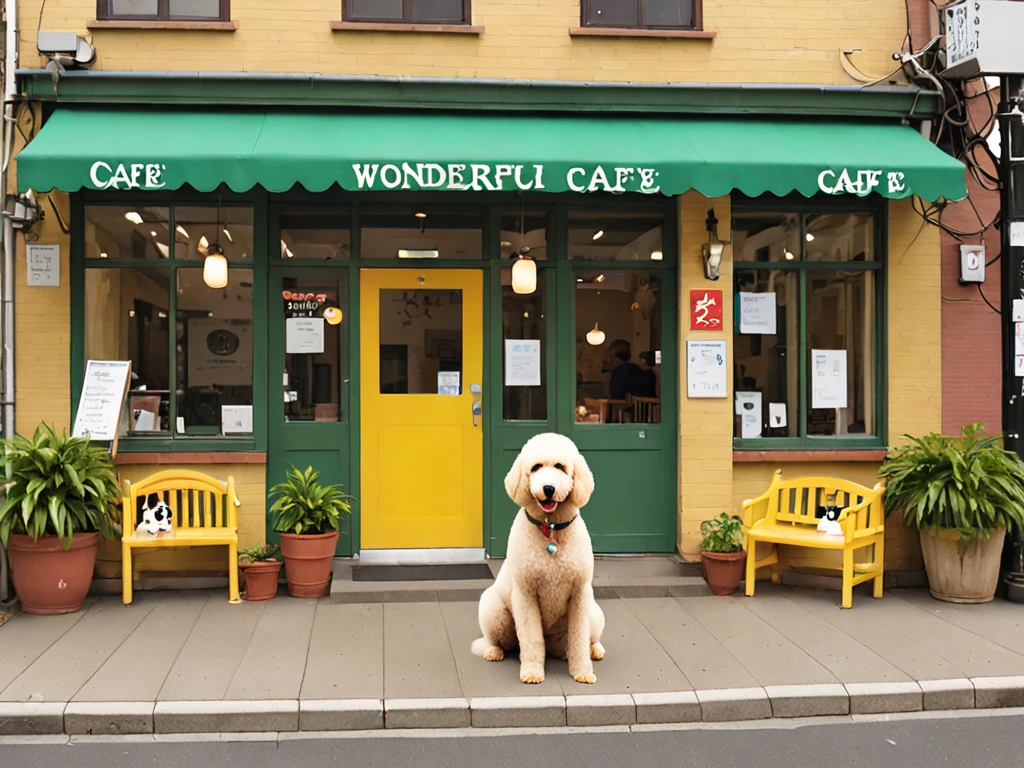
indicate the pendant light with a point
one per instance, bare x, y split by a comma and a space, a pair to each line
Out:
215, 264
595, 337
524, 269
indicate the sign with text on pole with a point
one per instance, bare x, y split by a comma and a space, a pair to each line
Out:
705, 310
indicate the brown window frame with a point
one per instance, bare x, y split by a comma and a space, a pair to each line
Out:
407, 16
163, 13
698, 18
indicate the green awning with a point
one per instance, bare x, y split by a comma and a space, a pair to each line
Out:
165, 150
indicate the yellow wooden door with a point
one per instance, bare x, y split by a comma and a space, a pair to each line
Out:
421, 371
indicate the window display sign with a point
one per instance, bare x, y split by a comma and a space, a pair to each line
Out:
219, 353
828, 368
304, 335
522, 362
101, 404
705, 310
705, 369
758, 313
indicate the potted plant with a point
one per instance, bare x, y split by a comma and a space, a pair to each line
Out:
721, 553
261, 567
308, 516
961, 493
61, 496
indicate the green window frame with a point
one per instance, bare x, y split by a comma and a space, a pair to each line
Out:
802, 209
197, 440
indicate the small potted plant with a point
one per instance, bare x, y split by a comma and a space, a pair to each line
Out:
308, 516
721, 553
61, 496
961, 494
261, 567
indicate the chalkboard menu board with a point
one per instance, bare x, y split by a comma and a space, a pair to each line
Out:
102, 401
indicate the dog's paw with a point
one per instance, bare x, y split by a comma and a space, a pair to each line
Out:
494, 653
585, 677
597, 651
531, 676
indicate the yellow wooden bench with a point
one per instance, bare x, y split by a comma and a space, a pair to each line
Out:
786, 514
204, 514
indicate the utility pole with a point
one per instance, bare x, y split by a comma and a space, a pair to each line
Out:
1011, 178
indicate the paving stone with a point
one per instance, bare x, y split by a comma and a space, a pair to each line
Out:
808, 700
108, 718
600, 709
341, 715
727, 704
884, 698
992, 692
426, 713
31, 718
948, 694
670, 707
225, 716
517, 711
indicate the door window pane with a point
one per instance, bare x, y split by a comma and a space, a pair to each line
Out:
613, 13
840, 353
374, 10
615, 236
761, 237
127, 232
533, 233
214, 338
767, 371
316, 236
197, 228
126, 313
840, 237
410, 233
524, 336
421, 342
618, 347
316, 349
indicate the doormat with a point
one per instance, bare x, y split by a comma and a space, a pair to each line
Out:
447, 572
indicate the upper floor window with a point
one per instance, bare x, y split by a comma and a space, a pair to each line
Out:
642, 14
407, 11
164, 10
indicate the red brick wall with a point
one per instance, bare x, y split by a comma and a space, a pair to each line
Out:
971, 334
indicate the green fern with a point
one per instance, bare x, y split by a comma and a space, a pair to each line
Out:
968, 483
303, 505
56, 485
722, 534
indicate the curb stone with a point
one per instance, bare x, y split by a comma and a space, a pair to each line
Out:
341, 714
426, 713
87, 718
727, 704
947, 694
996, 692
600, 709
661, 708
225, 716
518, 711
808, 700
885, 698
24, 718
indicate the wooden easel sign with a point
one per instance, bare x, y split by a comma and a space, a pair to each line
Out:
101, 405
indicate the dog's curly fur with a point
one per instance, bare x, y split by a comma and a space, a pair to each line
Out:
544, 604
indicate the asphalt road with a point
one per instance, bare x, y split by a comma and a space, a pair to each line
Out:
974, 742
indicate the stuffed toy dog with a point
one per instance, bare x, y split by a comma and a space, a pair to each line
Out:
153, 517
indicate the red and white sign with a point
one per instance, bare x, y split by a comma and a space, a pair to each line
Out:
705, 310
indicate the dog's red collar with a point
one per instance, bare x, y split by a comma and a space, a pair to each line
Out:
545, 527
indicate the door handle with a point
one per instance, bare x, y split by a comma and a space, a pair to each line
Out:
477, 407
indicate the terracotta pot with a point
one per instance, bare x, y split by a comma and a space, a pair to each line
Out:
307, 562
49, 580
968, 577
723, 570
261, 579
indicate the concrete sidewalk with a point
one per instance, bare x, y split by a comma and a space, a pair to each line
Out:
190, 662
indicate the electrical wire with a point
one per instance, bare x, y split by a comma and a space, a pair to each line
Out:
983, 296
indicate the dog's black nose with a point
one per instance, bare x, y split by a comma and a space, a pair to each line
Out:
549, 491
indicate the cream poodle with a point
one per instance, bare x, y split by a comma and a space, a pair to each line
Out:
543, 599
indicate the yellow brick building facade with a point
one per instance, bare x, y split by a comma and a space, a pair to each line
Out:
762, 46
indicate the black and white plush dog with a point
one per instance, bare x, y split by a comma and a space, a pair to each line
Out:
153, 516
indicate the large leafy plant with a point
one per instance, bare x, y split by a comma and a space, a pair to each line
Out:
722, 534
304, 505
968, 483
56, 485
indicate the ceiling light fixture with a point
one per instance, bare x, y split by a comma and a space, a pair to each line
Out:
420, 215
524, 268
598, 234
133, 217
595, 338
657, 255
789, 255
810, 238
228, 235
181, 231
215, 263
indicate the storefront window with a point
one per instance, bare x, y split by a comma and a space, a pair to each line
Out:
615, 236
420, 233
191, 346
618, 347
315, 236
524, 336
420, 342
316, 349
806, 328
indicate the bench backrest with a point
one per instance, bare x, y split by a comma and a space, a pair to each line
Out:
196, 500
798, 501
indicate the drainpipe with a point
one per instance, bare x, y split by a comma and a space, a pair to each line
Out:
8, 252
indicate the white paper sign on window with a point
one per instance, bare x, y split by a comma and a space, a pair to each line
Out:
236, 419
776, 415
748, 406
448, 382
758, 313
522, 362
705, 369
304, 335
828, 369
